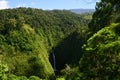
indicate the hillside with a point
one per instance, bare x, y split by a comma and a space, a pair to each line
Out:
28, 35
60, 44
100, 58
102, 54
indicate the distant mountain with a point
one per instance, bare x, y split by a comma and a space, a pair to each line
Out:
80, 11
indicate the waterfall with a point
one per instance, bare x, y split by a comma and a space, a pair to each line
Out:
54, 63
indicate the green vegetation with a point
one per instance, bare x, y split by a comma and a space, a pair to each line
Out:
28, 35
107, 11
101, 52
86, 47
4, 74
102, 55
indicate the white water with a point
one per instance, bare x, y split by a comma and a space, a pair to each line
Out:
54, 62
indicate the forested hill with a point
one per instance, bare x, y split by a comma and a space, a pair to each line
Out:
60, 45
28, 35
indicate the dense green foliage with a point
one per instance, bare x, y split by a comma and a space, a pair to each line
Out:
20, 46
101, 52
107, 11
102, 57
4, 75
3, 70
28, 35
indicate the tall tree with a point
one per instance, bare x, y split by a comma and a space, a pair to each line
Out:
106, 11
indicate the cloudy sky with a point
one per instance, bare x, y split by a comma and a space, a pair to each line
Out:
49, 4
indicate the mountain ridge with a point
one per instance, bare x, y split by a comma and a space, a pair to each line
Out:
81, 11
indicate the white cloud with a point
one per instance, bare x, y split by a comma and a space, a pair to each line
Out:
32, 3
4, 4
25, 5
22, 5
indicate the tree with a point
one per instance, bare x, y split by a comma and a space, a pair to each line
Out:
3, 70
20, 22
101, 56
106, 11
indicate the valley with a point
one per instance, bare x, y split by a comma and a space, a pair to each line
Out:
38, 44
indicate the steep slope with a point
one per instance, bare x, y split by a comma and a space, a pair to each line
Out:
101, 54
69, 50
25, 53
101, 58
28, 35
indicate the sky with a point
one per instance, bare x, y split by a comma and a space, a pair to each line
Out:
49, 4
